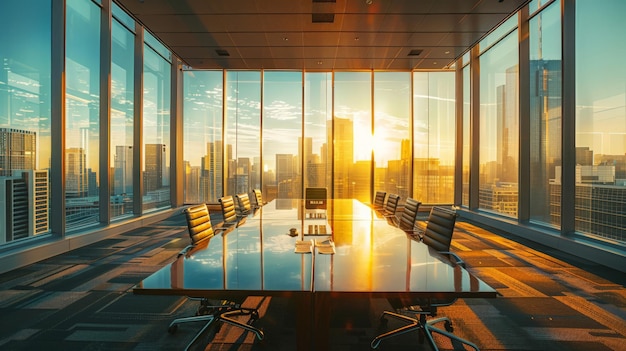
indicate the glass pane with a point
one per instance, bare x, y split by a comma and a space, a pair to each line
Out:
123, 17
122, 110
318, 116
243, 142
352, 133
498, 33
392, 133
434, 137
156, 45
24, 118
203, 94
499, 127
82, 134
545, 115
601, 119
282, 133
466, 137
156, 130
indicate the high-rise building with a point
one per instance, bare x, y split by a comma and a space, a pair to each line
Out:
76, 177
23, 190
155, 161
123, 173
17, 150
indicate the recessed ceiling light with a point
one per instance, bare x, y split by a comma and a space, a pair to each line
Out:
447, 52
221, 52
356, 38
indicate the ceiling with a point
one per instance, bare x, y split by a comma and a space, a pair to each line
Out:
320, 34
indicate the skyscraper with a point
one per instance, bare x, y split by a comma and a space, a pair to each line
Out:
23, 190
153, 175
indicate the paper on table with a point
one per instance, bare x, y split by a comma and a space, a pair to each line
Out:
326, 247
304, 246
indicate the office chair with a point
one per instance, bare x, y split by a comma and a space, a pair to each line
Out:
229, 211
243, 202
408, 217
379, 200
201, 231
258, 196
393, 200
437, 235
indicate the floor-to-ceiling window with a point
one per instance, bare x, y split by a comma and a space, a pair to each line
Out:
545, 114
318, 122
24, 119
242, 153
283, 146
392, 133
352, 134
601, 119
122, 111
202, 136
433, 137
499, 122
466, 135
156, 125
82, 114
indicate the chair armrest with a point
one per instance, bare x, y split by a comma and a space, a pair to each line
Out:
454, 257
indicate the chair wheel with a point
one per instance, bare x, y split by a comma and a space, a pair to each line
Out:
448, 326
172, 328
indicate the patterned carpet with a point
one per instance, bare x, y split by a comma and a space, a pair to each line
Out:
83, 300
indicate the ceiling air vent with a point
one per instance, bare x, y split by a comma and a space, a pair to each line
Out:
221, 52
323, 17
415, 52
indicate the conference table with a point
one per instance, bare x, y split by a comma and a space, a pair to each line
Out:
368, 258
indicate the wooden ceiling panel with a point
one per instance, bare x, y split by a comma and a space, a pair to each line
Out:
280, 34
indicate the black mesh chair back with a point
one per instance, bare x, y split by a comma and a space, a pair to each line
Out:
409, 215
228, 210
439, 229
199, 223
393, 200
379, 199
258, 196
243, 200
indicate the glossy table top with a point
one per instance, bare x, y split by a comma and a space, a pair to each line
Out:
257, 257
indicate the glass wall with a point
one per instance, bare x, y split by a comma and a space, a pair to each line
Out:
122, 117
283, 147
25, 56
242, 158
156, 129
434, 137
601, 119
202, 136
499, 127
392, 133
352, 136
318, 116
545, 115
82, 114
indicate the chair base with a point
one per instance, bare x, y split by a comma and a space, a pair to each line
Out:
426, 328
219, 313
